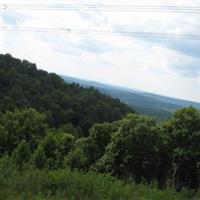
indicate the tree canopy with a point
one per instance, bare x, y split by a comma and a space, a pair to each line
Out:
22, 85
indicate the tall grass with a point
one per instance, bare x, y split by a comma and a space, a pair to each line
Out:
67, 185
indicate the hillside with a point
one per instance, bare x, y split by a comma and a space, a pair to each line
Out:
61, 140
22, 85
158, 106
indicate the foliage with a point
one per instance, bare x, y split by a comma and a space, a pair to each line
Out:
52, 150
71, 127
89, 149
65, 184
135, 150
23, 86
134, 147
21, 154
138, 147
184, 131
82, 156
28, 125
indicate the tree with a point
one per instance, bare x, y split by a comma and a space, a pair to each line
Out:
134, 150
50, 146
66, 142
3, 140
184, 131
39, 157
69, 128
82, 155
27, 124
52, 150
100, 135
22, 86
21, 154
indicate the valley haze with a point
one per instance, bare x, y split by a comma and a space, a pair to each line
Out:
146, 103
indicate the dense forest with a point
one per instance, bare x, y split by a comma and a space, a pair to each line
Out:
23, 86
62, 141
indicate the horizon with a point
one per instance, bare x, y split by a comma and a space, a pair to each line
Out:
124, 88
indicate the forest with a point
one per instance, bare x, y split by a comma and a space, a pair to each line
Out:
63, 141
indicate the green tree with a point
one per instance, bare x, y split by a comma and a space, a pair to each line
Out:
39, 157
69, 128
3, 140
134, 150
82, 155
24, 86
28, 125
184, 131
52, 150
66, 142
21, 154
100, 135
50, 146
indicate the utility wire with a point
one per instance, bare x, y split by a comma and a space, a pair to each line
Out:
116, 2
88, 7
99, 5
106, 33
110, 1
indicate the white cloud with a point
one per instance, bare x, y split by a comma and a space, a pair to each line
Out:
148, 65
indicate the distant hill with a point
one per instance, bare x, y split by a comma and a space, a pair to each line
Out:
144, 103
22, 85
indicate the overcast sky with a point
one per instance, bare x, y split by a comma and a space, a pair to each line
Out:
162, 66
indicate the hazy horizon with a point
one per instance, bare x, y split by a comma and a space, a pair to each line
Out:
125, 88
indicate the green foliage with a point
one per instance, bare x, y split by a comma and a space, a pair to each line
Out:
39, 158
69, 128
82, 156
134, 149
50, 146
66, 142
89, 149
65, 184
23, 86
25, 135
139, 148
72, 127
184, 131
100, 135
157, 112
21, 154
52, 150
28, 125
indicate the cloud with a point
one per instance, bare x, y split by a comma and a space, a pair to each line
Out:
168, 67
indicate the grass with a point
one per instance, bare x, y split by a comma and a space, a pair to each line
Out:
67, 185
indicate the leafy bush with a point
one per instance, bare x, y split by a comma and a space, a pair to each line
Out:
64, 184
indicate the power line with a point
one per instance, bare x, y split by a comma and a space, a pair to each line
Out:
111, 1
106, 33
90, 7
100, 5
170, 6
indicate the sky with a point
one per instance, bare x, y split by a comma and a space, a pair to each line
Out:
169, 67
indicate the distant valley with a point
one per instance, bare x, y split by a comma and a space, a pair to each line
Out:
145, 103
